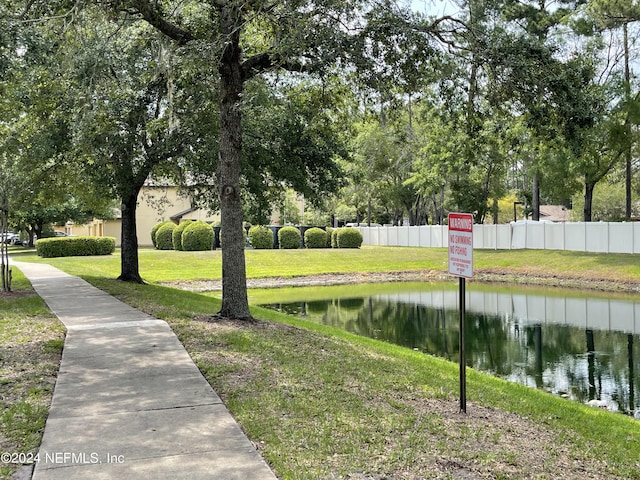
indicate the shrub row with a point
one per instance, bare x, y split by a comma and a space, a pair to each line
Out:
75, 246
199, 236
187, 236
289, 237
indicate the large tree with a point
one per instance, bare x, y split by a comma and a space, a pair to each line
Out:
614, 15
246, 40
39, 177
526, 54
124, 124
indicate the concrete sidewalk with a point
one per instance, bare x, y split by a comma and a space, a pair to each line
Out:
129, 403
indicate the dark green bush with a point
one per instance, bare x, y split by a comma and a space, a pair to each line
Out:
261, 237
154, 231
197, 236
176, 235
164, 236
349, 238
315, 238
75, 246
289, 237
329, 236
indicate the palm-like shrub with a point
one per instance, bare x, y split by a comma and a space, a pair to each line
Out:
329, 232
334, 238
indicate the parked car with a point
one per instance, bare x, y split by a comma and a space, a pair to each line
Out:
362, 224
10, 238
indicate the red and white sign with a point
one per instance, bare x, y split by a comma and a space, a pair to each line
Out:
461, 244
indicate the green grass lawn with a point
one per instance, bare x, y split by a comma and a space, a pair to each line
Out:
162, 266
31, 341
321, 403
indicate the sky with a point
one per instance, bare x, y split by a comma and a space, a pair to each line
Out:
434, 7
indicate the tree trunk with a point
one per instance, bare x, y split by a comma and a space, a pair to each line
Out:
129, 268
4, 253
588, 200
235, 303
628, 146
535, 198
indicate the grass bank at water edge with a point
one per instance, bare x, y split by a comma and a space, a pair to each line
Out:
322, 403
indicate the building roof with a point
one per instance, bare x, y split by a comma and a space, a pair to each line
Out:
555, 213
179, 215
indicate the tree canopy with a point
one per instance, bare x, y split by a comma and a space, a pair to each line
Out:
369, 109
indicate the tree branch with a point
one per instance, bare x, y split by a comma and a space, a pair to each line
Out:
265, 61
154, 17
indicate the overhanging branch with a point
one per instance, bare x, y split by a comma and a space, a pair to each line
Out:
154, 17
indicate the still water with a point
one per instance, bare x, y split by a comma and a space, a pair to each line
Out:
584, 347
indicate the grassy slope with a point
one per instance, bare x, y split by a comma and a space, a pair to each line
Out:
346, 397
329, 403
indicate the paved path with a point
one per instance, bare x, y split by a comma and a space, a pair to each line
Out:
129, 403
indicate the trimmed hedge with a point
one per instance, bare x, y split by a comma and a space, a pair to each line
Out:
261, 237
315, 238
348, 238
164, 236
75, 246
197, 236
289, 237
176, 236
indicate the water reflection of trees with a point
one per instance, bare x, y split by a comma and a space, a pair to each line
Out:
585, 365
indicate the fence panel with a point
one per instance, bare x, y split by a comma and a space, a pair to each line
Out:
414, 236
574, 236
597, 237
554, 234
620, 237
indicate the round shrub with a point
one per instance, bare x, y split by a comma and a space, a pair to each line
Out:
329, 232
349, 238
197, 236
164, 236
315, 238
177, 235
289, 237
154, 231
261, 237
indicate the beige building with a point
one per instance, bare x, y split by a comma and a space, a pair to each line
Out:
156, 203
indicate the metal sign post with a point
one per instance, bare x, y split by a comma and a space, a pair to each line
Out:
461, 265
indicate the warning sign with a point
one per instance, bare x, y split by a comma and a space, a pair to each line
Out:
461, 244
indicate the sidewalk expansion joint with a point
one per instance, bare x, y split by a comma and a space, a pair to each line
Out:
112, 325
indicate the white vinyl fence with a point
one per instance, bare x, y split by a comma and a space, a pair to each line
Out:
599, 237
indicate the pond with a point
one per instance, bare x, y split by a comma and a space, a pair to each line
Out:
582, 346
